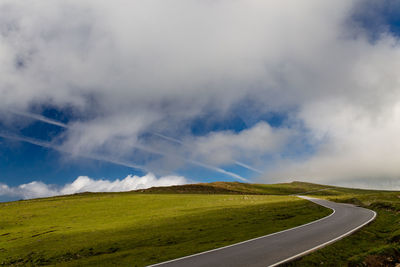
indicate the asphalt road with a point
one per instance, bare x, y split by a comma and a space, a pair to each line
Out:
281, 247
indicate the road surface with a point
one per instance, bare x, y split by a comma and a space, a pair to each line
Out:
284, 246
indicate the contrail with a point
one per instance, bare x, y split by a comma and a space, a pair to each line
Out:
219, 170
194, 162
174, 140
144, 148
248, 167
177, 141
58, 148
39, 118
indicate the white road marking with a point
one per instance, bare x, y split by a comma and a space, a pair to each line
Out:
292, 257
246, 241
324, 244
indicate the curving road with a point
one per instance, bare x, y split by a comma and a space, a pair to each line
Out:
281, 247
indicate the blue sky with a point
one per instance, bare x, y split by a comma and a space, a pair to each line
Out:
200, 93
23, 159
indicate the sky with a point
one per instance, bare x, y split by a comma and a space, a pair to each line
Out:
115, 96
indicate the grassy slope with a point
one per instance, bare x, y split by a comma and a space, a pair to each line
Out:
377, 244
239, 188
135, 229
157, 224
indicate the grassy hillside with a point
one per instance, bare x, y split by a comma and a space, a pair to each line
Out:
239, 188
157, 224
136, 229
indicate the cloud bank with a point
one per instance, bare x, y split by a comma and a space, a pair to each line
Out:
129, 68
37, 189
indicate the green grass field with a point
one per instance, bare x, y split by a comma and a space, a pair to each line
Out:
377, 244
136, 229
158, 224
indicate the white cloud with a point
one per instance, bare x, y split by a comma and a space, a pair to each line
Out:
131, 67
226, 147
85, 184
357, 147
30, 190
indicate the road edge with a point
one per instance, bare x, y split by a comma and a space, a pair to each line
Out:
326, 243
